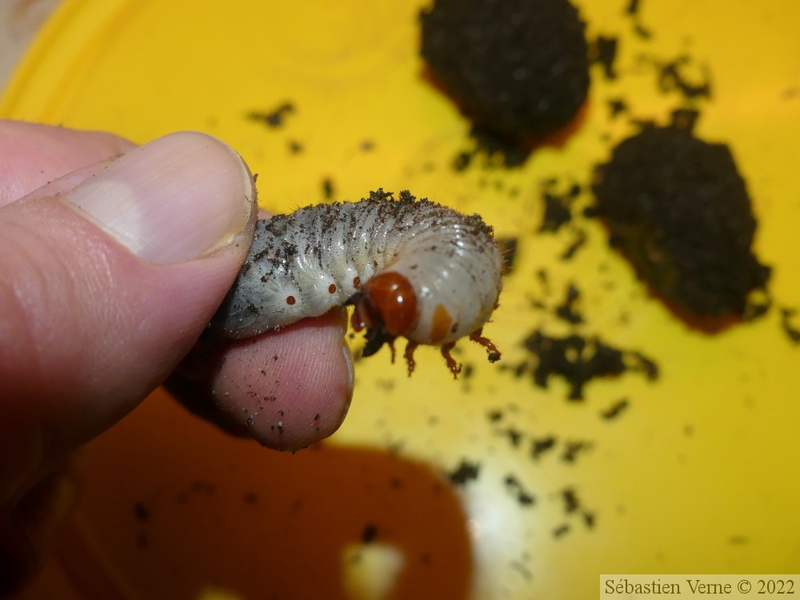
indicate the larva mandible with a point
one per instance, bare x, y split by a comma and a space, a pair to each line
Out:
411, 268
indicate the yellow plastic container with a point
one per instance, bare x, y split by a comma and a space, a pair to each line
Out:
697, 475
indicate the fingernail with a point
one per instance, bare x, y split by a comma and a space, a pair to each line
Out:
177, 198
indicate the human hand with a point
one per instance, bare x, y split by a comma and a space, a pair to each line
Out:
109, 273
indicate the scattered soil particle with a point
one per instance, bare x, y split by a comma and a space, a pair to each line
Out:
571, 502
561, 530
141, 512
466, 471
791, 332
615, 410
567, 309
522, 496
556, 213
495, 415
589, 519
603, 51
672, 78
633, 10
633, 7
523, 570
462, 160
575, 245
328, 189
557, 207
542, 445
616, 107
369, 533
514, 435
579, 360
275, 118
573, 449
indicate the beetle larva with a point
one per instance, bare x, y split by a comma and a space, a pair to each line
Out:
411, 268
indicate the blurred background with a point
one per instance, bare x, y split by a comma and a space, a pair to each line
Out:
495, 485
19, 22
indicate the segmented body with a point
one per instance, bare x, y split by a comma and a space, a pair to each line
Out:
412, 268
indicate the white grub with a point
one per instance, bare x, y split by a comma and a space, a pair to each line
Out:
412, 268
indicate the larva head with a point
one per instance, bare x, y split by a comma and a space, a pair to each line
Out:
387, 302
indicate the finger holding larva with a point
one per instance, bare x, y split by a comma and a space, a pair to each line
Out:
412, 269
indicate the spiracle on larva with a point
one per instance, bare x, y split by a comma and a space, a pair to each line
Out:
411, 268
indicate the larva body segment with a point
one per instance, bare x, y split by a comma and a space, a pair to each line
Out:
412, 268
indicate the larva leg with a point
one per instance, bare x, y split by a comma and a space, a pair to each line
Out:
494, 353
454, 367
409, 356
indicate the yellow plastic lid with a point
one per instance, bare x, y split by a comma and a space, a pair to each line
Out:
490, 486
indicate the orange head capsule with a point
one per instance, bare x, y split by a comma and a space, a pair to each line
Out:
388, 301
387, 307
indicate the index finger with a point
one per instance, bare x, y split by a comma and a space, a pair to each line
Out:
286, 389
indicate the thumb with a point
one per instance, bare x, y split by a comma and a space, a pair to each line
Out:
104, 287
